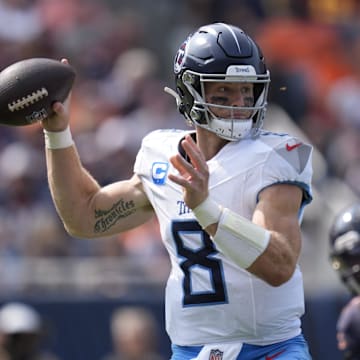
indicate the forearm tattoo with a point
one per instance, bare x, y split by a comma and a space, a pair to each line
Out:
108, 218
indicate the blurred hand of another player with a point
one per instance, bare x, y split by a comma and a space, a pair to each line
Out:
60, 119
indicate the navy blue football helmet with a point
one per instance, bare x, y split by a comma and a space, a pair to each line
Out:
345, 247
220, 53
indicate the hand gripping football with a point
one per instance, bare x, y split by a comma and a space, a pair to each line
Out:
29, 88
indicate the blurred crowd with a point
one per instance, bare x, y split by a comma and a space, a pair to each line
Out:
122, 52
25, 333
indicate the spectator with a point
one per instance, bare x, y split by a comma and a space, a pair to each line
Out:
21, 333
134, 333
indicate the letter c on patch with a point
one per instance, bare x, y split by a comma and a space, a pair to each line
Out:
159, 172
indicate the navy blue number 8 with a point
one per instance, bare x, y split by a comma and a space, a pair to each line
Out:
200, 257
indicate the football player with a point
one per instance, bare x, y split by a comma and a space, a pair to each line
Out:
229, 198
345, 259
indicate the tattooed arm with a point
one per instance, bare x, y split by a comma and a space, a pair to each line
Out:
87, 210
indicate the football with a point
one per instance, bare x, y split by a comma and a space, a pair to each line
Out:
29, 88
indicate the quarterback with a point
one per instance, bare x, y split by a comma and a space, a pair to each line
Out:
229, 198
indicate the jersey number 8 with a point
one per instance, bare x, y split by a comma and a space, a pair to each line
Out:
202, 257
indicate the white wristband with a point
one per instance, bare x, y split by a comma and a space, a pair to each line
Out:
240, 239
207, 213
58, 140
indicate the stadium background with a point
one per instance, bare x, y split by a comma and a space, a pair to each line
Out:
122, 51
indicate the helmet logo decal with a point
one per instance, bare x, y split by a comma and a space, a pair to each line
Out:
180, 57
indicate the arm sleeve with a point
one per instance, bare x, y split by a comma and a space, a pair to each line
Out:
290, 163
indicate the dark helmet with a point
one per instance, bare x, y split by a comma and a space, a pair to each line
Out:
345, 247
222, 53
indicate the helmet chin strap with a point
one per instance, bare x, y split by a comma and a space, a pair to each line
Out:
232, 130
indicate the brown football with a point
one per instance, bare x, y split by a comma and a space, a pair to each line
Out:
28, 89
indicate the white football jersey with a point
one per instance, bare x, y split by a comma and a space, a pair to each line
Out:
209, 299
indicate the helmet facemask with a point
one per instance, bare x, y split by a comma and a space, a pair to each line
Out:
231, 122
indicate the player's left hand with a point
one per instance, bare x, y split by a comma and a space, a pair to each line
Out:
193, 176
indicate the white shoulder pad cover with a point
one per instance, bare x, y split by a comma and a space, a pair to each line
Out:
290, 161
158, 145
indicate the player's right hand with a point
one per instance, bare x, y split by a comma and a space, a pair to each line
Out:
60, 119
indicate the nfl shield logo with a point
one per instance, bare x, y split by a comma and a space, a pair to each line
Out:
216, 355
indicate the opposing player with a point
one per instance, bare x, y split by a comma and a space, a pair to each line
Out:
345, 258
229, 198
